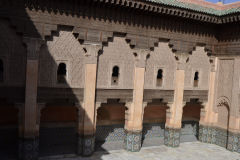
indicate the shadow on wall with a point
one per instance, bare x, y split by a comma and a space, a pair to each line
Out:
59, 120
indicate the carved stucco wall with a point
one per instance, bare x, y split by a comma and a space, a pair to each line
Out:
235, 104
198, 61
117, 53
62, 48
13, 54
223, 105
161, 58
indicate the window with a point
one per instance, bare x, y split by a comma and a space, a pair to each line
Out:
159, 77
1, 71
115, 75
196, 79
61, 73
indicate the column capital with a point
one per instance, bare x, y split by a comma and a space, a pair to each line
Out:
91, 52
213, 63
98, 105
128, 104
33, 47
141, 55
145, 105
182, 59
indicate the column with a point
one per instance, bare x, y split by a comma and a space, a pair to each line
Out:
89, 128
29, 143
133, 125
80, 127
174, 114
207, 132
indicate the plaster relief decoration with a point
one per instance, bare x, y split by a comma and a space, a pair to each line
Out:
117, 53
161, 57
193, 66
64, 47
223, 105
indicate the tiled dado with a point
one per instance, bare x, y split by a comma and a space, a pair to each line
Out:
86, 145
220, 137
29, 149
172, 137
133, 141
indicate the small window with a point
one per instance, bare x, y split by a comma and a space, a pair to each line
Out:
115, 75
196, 79
159, 77
1, 71
61, 73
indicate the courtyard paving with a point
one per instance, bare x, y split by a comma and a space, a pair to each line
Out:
187, 151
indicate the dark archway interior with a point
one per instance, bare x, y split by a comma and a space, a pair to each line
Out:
8, 131
154, 120
110, 126
190, 122
58, 130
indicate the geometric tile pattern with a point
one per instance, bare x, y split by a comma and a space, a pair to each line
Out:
233, 142
57, 140
110, 133
207, 134
79, 144
152, 130
28, 149
133, 141
189, 131
220, 137
172, 137
88, 145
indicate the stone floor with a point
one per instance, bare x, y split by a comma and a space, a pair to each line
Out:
187, 151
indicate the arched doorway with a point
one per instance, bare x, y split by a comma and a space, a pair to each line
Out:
154, 120
8, 131
58, 130
223, 122
110, 126
190, 121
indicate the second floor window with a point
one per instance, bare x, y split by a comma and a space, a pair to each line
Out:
61, 73
159, 78
196, 79
115, 75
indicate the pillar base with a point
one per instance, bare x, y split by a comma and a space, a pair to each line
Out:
88, 145
133, 141
207, 134
233, 142
28, 149
172, 137
79, 144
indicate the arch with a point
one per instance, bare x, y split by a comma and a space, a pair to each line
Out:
159, 78
191, 116
223, 101
9, 130
61, 73
154, 119
110, 126
1, 71
58, 129
115, 75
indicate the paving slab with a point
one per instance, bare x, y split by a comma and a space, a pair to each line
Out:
186, 151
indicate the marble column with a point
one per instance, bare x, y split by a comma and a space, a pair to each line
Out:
29, 142
174, 118
89, 105
133, 125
